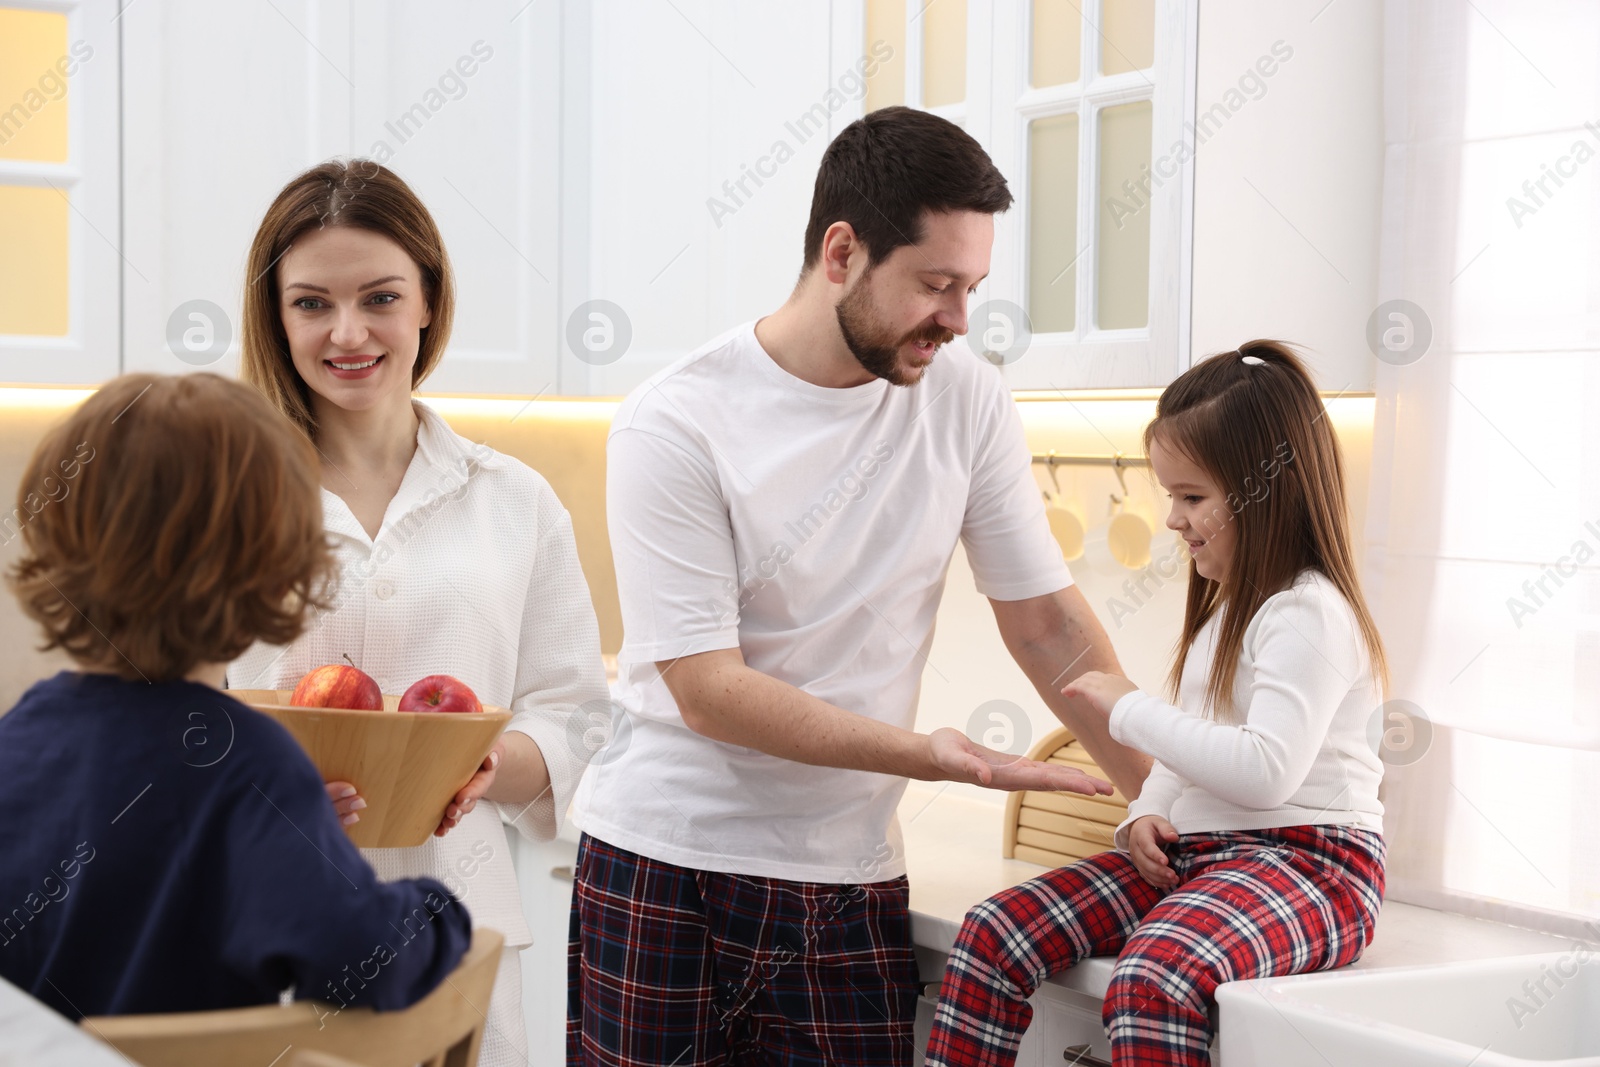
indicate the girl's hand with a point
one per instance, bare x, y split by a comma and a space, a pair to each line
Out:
1101, 690
346, 802
476, 786
1146, 840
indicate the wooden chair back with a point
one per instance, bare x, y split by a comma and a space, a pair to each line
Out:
309, 1058
1055, 829
443, 1029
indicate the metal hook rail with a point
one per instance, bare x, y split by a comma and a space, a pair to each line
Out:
1116, 461
1089, 459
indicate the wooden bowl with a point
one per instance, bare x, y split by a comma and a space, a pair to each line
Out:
407, 765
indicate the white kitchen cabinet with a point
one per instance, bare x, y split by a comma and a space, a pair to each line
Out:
702, 123
464, 103
544, 874
223, 104
1065, 1030
604, 174
617, 182
1138, 185
1288, 188
715, 238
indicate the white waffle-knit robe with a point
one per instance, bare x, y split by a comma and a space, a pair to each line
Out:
474, 573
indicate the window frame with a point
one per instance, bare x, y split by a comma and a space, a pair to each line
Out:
90, 351
1000, 104
957, 112
1088, 356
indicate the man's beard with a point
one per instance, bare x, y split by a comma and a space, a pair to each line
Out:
873, 346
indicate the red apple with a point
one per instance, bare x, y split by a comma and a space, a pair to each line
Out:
338, 685
440, 692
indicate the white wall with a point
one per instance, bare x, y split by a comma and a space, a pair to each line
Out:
1286, 192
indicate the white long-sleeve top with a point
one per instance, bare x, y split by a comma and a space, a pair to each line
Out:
1297, 752
474, 573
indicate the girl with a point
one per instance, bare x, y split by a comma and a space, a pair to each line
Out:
453, 558
1254, 848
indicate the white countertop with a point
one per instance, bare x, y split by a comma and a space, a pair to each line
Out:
33, 1035
953, 861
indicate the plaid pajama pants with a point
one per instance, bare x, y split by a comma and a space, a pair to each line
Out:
1248, 905
674, 967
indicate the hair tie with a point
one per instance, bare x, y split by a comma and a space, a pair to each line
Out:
1254, 361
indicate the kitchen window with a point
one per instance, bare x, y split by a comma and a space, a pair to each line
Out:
1085, 107
60, 272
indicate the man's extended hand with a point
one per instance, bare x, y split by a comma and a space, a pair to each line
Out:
960, 759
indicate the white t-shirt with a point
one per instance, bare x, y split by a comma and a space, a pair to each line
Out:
811, 528
1298, 754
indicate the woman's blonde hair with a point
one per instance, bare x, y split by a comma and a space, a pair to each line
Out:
357, 193
1253, 421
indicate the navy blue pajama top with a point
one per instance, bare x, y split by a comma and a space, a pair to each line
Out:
164, 848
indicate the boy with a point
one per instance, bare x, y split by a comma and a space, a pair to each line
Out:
166, 848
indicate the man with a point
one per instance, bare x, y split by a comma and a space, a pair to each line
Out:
784, 504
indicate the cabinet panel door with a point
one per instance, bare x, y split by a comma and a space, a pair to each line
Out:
1100, 258
544, 877
1059, 1027
223, 104
709, 118
464, 103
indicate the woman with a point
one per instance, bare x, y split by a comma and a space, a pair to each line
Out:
453, 559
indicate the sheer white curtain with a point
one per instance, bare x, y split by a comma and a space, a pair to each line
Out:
1484, 521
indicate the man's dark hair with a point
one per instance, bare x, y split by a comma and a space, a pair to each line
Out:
887, 168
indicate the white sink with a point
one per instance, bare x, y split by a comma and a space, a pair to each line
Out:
1506, 1012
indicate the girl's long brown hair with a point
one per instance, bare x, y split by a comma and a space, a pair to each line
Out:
357, 193
1260, 430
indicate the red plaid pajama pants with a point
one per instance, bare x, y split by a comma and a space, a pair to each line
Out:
1248, 905
674, 967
